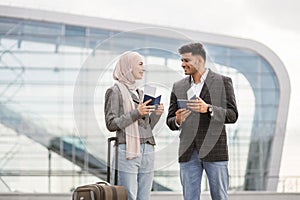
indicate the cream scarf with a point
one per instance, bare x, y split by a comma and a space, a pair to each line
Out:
126, 82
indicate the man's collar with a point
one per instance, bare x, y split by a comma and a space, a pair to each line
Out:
203, 77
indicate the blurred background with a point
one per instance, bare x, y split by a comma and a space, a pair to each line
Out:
56, 61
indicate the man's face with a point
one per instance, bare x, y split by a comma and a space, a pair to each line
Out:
191, 64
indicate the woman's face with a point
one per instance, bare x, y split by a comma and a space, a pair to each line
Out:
138, 71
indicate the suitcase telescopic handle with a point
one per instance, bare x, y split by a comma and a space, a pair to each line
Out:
103, 183
116, 159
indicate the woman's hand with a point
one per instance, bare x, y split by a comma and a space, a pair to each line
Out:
144, 109
160, 109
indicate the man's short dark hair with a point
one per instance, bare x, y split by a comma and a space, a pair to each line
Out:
194, 48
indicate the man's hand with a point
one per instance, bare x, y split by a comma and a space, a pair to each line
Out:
181, 115
198, 105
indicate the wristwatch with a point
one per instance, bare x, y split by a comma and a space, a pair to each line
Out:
210, 109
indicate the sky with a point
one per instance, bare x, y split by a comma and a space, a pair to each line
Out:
274, 23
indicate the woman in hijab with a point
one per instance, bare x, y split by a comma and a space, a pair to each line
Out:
133, 122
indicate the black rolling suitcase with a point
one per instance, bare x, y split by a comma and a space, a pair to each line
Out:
103, 190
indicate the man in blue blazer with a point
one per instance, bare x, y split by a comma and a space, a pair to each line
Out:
203, 140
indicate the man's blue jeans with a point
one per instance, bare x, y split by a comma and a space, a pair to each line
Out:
191, 175
137, 174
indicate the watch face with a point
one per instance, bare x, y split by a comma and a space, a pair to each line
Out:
209, 109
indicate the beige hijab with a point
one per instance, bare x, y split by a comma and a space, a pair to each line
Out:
126, 81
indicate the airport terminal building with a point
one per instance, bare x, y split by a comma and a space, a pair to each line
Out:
56, 67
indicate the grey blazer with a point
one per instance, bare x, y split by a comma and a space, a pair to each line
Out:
117, 120
204, 132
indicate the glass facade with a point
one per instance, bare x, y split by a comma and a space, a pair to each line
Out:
53, 77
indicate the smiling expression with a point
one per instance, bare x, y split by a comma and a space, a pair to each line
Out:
191, 64
138, 70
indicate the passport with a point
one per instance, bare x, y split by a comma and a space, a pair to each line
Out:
182, 103
155, 100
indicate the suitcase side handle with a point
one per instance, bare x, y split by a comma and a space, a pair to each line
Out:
116, 159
